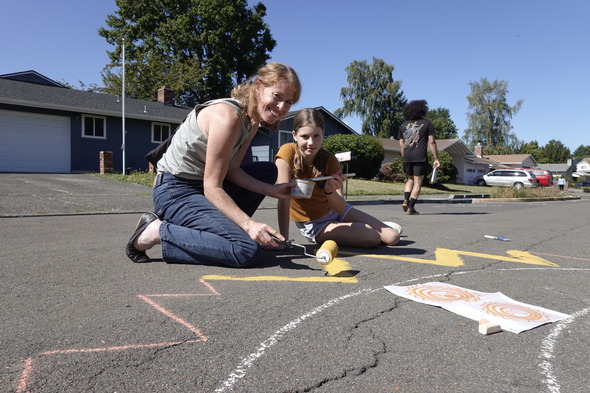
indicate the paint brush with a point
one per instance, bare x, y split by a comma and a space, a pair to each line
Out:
320, 178
504, 239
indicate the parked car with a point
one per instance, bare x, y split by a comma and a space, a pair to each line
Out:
543, 176
517, 178
479, 181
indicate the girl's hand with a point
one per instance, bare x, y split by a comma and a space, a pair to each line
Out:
335, 183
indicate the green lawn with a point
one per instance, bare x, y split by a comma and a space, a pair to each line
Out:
355, 186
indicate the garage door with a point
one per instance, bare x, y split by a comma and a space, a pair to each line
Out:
34, 143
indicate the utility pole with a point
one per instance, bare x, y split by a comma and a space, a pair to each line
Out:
123, 107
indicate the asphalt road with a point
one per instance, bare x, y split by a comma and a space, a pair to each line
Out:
78, 316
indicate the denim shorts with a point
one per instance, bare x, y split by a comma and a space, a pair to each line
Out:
311, 229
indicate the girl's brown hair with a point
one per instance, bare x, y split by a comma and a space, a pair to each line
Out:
268, 75
309, 117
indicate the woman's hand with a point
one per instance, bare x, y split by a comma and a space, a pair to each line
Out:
283, 190
263, 234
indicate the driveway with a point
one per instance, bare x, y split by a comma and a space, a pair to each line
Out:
26, 194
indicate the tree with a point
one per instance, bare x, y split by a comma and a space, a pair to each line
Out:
200, 49
373, 95
93, 87
443, 125
489, 115
554, 152
582, 152
531, 148
367, 152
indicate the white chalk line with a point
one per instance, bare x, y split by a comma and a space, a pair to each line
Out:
548, 346
248, 361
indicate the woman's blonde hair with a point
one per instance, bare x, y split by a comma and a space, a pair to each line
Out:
268, 75
304, 118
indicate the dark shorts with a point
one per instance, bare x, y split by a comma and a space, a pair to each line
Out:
416, 168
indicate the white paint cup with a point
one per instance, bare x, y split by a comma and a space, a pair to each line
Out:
303, 189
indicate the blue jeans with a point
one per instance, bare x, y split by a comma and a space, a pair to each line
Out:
194, 231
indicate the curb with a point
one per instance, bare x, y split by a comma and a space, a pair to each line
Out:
467, 198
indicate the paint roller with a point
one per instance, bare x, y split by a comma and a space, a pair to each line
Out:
327, 252
324, 255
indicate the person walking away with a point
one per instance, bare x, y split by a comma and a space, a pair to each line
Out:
416, 134
561, 183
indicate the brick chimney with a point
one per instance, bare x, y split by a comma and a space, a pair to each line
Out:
166, 95
478, 150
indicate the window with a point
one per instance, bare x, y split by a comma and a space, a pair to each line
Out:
94, 127
160, 132
285, 137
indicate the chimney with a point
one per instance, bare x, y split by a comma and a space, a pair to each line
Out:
165, 96
478, 150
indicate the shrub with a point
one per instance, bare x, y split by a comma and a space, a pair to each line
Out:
447, 172
366, 152
392, 171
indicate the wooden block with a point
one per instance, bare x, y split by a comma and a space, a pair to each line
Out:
487, 327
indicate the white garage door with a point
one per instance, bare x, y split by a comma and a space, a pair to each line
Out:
34, 143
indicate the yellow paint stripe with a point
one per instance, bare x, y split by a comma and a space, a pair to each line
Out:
338, 271
446, 257
282, 278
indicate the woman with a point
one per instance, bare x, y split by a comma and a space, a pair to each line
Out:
203, 198
326, 215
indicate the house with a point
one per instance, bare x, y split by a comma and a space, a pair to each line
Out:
266, 143
514, 160
47, 127
559, 170
582, 172
470, 167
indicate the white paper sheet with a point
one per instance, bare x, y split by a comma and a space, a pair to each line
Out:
511, 315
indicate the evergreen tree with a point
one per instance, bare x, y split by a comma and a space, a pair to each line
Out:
554, 152
582, 152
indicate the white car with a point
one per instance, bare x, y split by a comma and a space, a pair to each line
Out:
517, 178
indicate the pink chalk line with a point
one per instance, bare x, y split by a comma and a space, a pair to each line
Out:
23, 382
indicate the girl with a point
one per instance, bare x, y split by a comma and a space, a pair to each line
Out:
203, 198
326, 215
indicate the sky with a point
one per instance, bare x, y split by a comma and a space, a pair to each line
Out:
541, 48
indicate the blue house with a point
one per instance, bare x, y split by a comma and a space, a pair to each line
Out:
267, 143
46, 127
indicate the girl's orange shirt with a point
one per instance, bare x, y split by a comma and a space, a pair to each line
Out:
317, 206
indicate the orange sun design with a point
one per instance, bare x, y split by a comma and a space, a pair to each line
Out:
514, 311
442, 293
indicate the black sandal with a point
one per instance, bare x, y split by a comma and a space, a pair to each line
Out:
133, 253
